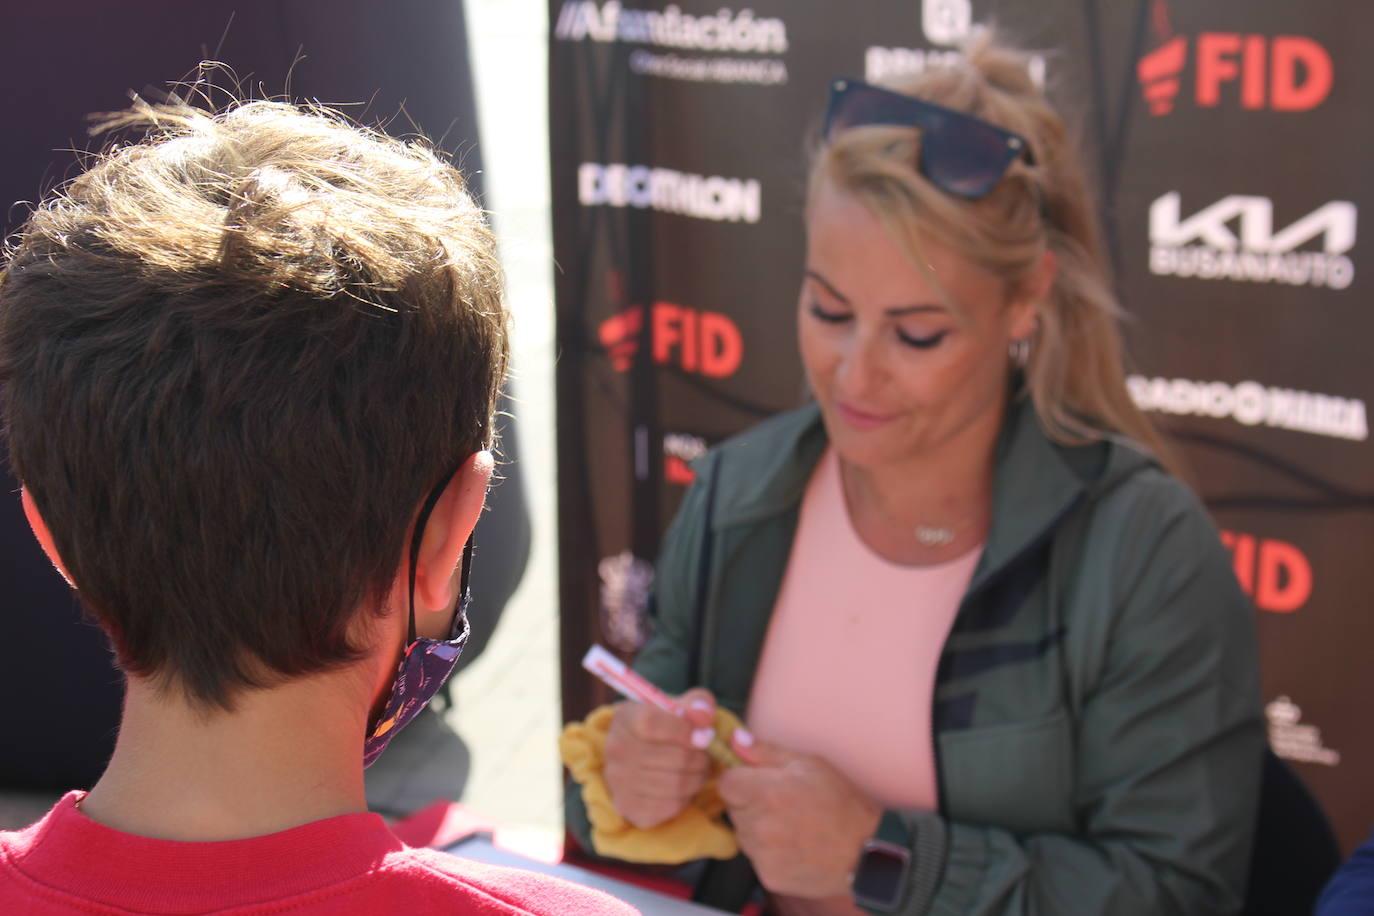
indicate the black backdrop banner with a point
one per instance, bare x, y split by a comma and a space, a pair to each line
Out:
1228, 143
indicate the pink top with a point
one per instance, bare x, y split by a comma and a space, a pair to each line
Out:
848, 667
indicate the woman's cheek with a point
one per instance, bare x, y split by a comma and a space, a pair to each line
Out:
817, 361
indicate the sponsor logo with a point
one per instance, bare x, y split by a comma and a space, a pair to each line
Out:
1294, 740
883, 63
724, 31
945, 23
645, 187
625, 583
673, 31
709, 69
698, 341
1276, 575
1253, 404
1282, 73
679, 450
1206, 246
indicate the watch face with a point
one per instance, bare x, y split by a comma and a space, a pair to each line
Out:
879, 877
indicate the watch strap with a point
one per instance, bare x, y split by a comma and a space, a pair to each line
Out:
929, 848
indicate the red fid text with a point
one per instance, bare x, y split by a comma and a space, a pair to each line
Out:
1276, 575
1283, 73
700, 342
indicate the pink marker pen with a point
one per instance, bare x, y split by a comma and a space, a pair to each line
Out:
620, 677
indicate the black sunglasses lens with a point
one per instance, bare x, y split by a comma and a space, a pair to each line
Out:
960, 154
853, 106
965, 158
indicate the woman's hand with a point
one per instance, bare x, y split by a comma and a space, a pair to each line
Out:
802, 822
655, 762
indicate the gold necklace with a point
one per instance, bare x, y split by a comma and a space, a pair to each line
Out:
929, 536
934, 536
939, 535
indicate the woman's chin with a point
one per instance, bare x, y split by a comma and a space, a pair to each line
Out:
865, 448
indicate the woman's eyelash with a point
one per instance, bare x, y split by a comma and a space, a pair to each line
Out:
829, 317
922, 343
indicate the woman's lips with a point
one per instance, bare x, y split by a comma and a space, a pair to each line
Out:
862, 419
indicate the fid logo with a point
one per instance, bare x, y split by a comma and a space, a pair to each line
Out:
1275, 574
1283, 73
700, 342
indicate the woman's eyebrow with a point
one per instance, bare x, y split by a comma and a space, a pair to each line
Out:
897, 312
829, 287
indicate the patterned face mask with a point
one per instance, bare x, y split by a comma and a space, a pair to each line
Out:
427, 663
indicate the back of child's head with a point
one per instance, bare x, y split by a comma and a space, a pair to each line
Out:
234, 357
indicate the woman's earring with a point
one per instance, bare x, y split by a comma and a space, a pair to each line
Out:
1019, 352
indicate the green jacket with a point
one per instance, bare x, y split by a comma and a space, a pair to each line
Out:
1097, 719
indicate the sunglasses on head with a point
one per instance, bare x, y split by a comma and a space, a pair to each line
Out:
961, 154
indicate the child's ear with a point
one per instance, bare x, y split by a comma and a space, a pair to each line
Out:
41, 532
447, 532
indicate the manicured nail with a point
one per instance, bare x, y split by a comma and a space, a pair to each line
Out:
701, 738
744, 738
701, 704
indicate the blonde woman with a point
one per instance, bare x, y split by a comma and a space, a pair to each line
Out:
991, 653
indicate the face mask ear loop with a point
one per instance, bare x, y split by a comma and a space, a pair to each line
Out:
467, 567
421, 520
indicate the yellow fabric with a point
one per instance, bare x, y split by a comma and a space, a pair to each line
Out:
698, 832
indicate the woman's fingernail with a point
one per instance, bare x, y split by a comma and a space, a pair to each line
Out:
701, 704
702, 737
743, 737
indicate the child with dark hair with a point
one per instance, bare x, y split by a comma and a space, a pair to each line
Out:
248, 367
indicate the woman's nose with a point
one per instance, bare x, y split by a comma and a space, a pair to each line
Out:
860, 370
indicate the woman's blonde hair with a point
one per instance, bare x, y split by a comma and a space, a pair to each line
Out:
1075, 374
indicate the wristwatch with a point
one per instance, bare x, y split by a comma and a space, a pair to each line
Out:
881, 873
880, 876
